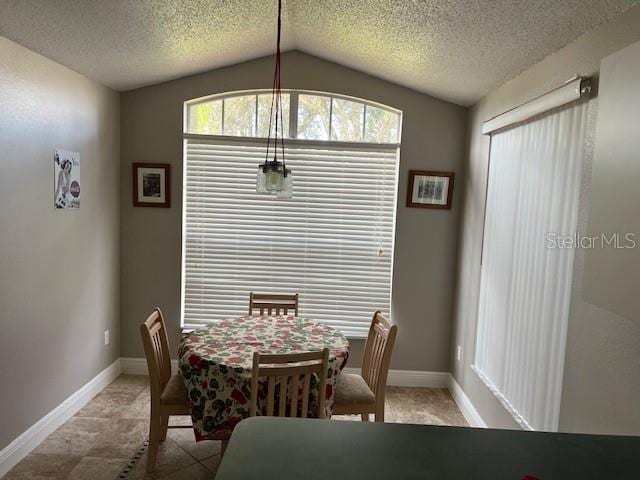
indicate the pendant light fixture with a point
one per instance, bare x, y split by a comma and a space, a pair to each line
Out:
273, 175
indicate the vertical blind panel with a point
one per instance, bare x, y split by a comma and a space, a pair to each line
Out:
534, 186
332, 242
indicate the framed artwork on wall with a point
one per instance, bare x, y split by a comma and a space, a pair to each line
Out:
152, 185
66, 179
430, 189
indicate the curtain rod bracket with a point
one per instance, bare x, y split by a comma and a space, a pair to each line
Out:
585, 86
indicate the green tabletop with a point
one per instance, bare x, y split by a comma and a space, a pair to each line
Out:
300, 449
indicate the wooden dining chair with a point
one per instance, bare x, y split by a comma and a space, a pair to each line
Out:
364, 394
168, 393
286, 378
272, 303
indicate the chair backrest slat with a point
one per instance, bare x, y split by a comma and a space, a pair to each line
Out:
156, 349
377, 353
271, 393
273, 303
282, 411
293, 408
293, 374
305, 395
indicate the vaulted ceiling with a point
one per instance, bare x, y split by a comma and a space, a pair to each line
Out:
456, 50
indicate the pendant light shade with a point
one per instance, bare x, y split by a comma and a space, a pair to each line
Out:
273, 176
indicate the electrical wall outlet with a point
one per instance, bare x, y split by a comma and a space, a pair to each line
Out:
106, 337
459, 353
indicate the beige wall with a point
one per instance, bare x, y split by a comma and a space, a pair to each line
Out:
601, 391
59, 270
433, 138
612, 273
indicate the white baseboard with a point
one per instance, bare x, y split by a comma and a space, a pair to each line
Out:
413, 378
397, 378
138, 366
466, 407
30, 439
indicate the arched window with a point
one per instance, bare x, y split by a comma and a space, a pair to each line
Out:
332, 242
306, 116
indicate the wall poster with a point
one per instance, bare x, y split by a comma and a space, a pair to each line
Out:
66, 168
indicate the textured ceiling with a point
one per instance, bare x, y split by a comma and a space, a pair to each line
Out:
457, 50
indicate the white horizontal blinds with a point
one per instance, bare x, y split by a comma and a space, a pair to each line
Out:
534, 185
331, 242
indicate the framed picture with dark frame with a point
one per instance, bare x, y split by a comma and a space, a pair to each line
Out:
152, 185
429, 189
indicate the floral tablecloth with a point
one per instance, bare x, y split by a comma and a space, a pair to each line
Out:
215, 363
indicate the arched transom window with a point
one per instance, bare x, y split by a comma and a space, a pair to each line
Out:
306, 116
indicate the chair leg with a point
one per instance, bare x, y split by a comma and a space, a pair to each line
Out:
164, 426
154, 440
364, 417
380, 413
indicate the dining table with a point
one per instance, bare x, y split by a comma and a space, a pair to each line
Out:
215, 362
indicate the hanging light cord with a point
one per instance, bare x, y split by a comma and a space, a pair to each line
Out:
276, 101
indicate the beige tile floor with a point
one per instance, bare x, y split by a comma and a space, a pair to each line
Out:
103, 437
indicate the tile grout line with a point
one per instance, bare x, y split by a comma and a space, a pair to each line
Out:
133, 461
199, 462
